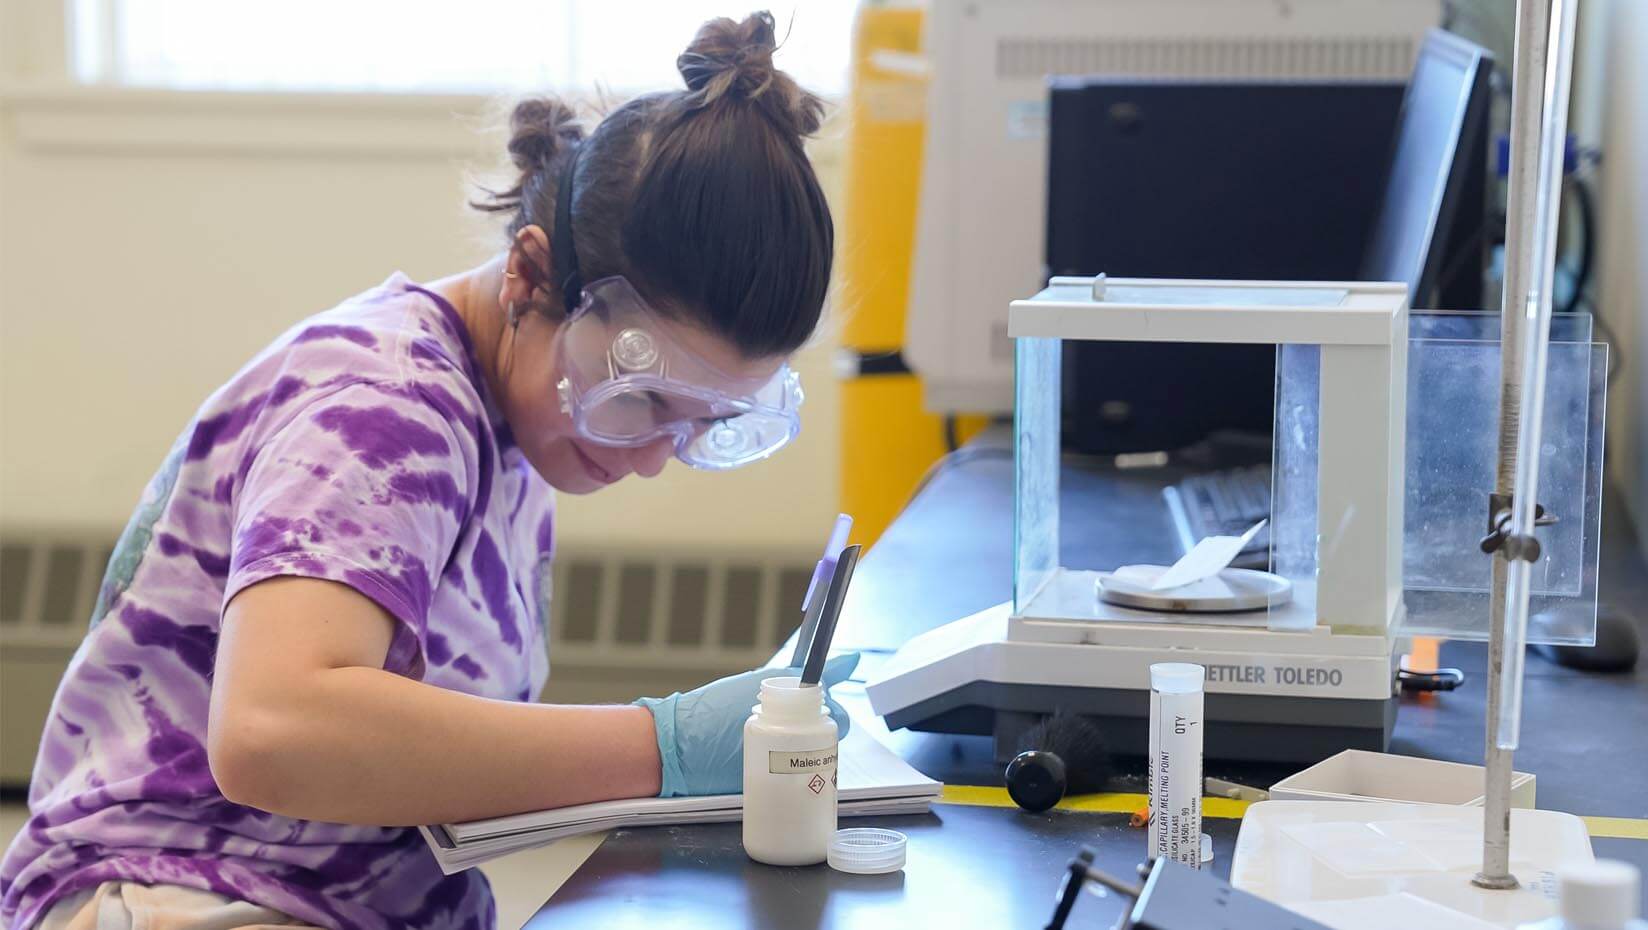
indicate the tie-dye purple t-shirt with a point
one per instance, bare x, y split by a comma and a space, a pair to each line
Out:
359, 448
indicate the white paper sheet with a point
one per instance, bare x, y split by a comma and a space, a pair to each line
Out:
1208, 558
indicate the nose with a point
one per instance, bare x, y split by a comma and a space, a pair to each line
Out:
650, 459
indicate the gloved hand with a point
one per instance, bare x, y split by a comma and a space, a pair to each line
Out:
701, 733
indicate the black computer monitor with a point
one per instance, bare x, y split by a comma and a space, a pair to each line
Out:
1242, 180
1439, 139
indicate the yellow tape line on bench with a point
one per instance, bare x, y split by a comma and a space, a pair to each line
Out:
1107, 803
1623, 828
1619, 828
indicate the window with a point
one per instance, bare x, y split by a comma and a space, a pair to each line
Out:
440, 46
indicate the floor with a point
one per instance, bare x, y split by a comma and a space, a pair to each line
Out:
521, 882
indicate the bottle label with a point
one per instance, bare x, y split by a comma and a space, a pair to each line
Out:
1175, 766
796, 762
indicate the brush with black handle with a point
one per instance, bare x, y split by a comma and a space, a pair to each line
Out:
1063, 754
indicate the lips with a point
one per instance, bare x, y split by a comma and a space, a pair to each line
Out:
595, 471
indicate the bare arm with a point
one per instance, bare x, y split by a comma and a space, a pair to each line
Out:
305, 723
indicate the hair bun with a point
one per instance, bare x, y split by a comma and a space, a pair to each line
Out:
541, 129
734, 61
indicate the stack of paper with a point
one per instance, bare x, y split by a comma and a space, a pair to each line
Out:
872, 781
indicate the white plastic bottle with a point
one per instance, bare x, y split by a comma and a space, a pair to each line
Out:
1600, 895
790, 749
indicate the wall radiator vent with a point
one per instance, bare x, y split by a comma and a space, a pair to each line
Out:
624, 621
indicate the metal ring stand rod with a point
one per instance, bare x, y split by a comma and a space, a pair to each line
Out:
1539, 104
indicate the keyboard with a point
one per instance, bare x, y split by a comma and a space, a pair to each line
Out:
1223, 503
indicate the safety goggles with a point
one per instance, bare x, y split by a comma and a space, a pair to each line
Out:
626, 383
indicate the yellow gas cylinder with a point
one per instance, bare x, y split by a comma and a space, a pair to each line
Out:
888, 441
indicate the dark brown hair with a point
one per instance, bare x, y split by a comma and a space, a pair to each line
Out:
703, 198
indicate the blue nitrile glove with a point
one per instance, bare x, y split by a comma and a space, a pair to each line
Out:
701, 733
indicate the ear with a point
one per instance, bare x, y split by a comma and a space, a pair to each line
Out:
528, 275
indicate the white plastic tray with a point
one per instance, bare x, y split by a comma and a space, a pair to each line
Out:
1359, 775
1368, 865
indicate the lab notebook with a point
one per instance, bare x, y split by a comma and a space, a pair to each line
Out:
874, 782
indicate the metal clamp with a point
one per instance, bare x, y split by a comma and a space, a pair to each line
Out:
1078, 873
1500, 539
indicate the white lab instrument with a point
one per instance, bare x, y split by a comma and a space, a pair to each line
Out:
980, 225
1175, 762
1382, 446
1292, 677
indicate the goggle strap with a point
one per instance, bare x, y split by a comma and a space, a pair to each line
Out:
561, 248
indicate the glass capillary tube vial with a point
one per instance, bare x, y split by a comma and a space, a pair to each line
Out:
1536, 327
1176, 762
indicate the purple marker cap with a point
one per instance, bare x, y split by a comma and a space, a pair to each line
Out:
822, 572
832, 551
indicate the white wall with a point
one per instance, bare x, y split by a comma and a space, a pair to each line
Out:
1622, 199
31, 39
150, 242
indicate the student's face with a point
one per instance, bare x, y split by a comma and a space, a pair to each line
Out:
545, 432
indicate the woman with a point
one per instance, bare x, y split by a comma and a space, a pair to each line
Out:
323, 623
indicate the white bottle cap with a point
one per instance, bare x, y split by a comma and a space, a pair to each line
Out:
1602, 894
1177, 677
787, 697
866, 850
